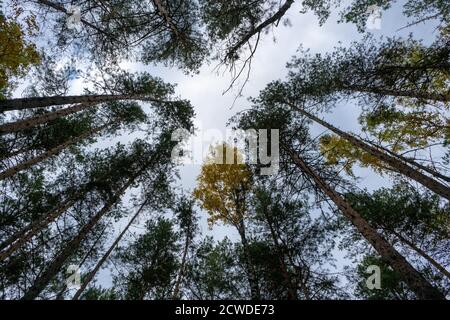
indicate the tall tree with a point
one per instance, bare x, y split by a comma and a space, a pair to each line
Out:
120, 116
155, 31
149, 265
187, 221
17, 54
223, 190
409, 218
156, 159
267, 114
301, 245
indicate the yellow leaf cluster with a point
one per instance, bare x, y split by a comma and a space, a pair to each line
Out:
16, 55
222, 188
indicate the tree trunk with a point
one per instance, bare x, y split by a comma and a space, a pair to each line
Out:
54, 266
167, 18
414, 163
400, 93
276, 17
422, 253
176, 290
52, 152
60, 295
416, 282
17, 240
99, 264
39, 102
254, 288
398, 165
292, 292
32, 122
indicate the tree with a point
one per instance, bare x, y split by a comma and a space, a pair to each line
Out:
409, 218
395, 163
187, 221
391, 286
156, 31
223, 190
293, 247
148, 266
382, 72
132, 171
268, 113
215, 273
17, 55
120, 116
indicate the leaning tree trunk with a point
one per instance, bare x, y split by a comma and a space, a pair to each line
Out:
52, 152
414, 163
416, 282
18, 239
44, 118
400, 93
60, 295
54, 266
422, 253
258, 29
88, 278
396, 164
39, 102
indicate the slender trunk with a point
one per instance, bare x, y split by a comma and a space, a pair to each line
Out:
422, 253
60, 294
99, 264
292, 294
400, 93
254, 288
167, 18
414, 163
17, 240
39, 102
176, 290
398, 165
276, 17
416, 282
49, 116
54, 266
52, 152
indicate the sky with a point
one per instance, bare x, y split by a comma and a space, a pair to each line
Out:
213, 108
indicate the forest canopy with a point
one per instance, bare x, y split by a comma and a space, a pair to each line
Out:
93, 205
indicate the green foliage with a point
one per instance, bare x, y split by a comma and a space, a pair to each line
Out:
148, 265
214, 273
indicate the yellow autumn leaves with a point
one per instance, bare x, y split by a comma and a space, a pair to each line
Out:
16, 54
223, 188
